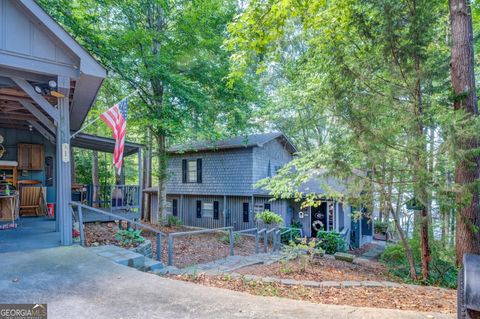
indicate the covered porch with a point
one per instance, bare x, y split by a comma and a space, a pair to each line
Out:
48, 83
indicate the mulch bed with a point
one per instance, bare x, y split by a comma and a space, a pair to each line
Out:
429, 299
327, 269
189, 250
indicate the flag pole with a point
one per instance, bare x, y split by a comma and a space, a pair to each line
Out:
91, 122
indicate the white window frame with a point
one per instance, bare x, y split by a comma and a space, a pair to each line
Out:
207, 209
192, 173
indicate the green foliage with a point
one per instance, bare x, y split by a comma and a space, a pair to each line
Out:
380, 227
129, 237
171, 220
304, 251
225, 239
269, 218
331, 242
443, 270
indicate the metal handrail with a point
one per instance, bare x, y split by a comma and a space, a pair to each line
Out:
80, 207
249, 231
196, 232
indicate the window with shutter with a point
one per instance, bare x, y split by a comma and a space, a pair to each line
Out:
215, 210
199, 209
246, 215
266, 206
174, 207
192, 171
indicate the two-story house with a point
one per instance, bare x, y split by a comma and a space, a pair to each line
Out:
212, 184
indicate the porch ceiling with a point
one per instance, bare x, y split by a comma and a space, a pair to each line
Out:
16, 106
102, 144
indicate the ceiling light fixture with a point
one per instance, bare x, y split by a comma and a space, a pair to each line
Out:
52, 84
38, 89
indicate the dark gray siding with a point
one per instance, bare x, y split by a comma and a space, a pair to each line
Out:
272, 154
226, 172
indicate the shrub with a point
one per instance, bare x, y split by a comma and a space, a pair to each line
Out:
129, 237
269, 218
225, 238
173, 221
331, 242
443, 271
303, 251
380, 227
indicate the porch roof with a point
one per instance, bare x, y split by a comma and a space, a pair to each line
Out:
103, 144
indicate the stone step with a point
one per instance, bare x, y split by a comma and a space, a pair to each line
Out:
152, 265
120, 255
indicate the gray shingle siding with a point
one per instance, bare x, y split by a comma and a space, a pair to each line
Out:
272, 154
226, 172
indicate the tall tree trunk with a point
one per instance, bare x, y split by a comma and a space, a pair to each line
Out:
161, 213
95, 179
147, 175
408, 251
468, 167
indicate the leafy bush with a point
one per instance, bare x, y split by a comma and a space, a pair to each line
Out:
129, 237
443, 271
285, 238
296, 224
269, 218
380, 227
173, 221
331, 242
303, 251
225, 238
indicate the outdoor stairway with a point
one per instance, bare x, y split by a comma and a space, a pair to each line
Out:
222, 266
127, 257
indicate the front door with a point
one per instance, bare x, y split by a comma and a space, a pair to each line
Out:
319, 218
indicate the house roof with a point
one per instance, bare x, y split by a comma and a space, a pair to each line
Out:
234, 143
321, 183
53, 51
102, 144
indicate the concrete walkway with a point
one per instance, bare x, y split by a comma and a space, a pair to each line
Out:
76, 283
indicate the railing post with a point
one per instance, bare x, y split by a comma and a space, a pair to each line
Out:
256, 241
230, 230
265, 241
159, 247
170, 250
274, 240
80, 225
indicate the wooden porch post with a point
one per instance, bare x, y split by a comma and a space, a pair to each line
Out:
63, 160
140, 182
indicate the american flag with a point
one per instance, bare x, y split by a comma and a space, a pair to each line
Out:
116, 118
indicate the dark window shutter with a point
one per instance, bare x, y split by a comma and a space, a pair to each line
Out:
199, 170
245, 213
266, 206
175, 207
184, 171
215, 210
199, 209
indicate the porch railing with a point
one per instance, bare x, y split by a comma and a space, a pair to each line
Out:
115, 197
81, 207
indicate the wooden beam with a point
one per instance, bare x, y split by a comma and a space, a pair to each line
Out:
40, 100
42, 131
18, 116
38, 114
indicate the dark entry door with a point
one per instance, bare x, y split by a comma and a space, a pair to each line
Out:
319, 218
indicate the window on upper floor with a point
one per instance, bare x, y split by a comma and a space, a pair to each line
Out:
192, 170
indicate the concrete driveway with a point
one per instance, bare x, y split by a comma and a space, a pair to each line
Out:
76, 283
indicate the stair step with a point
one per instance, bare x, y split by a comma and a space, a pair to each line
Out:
151, 264
120, 255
